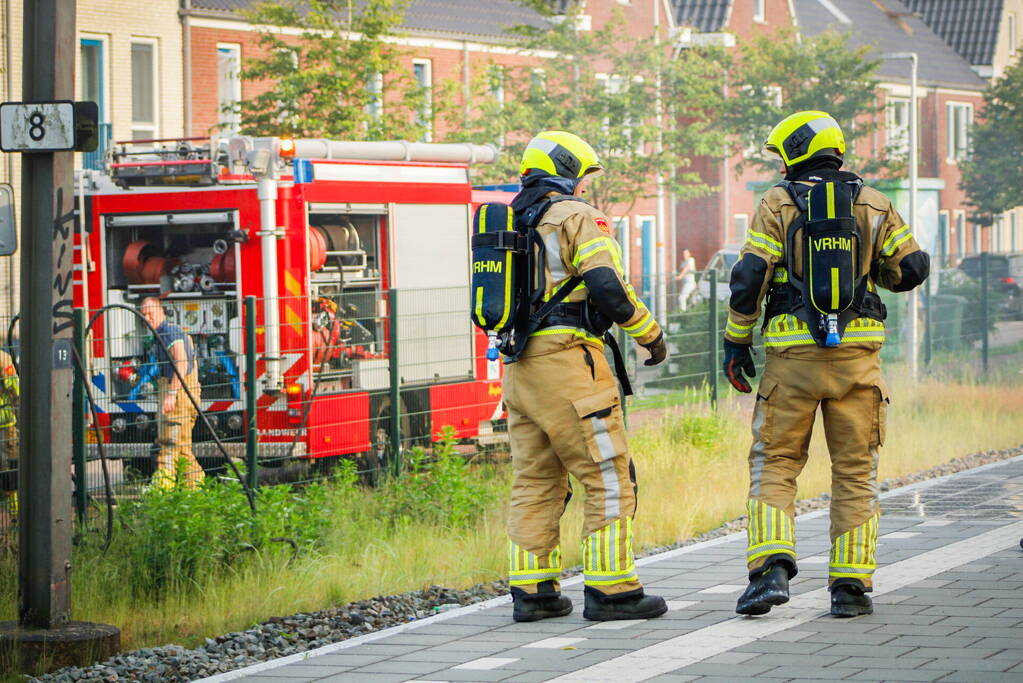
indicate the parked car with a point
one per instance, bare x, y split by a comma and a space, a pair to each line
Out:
1005, 273
722, 262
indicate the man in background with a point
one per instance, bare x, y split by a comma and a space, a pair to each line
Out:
176, 413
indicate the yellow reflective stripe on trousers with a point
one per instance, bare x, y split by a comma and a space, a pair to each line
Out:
853, 554
526, 568
896, 240
770, 531
607, 555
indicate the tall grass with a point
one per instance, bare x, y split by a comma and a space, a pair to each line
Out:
446, 526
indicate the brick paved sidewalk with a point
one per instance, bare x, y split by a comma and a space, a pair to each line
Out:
948, 607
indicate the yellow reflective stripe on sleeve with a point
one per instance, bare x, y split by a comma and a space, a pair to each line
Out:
597, 245
895, 240
739, 331
768, 244
645, 324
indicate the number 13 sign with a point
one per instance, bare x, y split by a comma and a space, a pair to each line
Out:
47, 126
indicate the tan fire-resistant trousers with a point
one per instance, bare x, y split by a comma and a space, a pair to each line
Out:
174, 435
853, 402
566, 418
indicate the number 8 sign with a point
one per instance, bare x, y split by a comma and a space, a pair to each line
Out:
37, 126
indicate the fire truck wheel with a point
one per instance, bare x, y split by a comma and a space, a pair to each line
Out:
379, 461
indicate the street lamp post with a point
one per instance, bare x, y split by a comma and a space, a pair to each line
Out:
913, 300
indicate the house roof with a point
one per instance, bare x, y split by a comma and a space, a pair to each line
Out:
706, 16
490, 19
971, 28
889, 26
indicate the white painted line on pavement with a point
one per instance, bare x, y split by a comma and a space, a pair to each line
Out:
724, 588
674, 605
554, 643
937, 522
616, 625
814, 559
901, 534
486, 663
707, 642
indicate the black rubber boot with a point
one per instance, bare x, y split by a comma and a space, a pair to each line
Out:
631, 605
850, 600
765, 590
537, 606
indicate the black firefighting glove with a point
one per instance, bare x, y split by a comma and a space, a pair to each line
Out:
658, 351
739, 359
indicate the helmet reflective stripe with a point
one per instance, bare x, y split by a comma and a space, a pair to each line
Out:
561, 154
803, 135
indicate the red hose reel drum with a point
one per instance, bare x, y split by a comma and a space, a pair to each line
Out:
222, 266
134, 259
317, 248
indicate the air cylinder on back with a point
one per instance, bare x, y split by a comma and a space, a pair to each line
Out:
495, 245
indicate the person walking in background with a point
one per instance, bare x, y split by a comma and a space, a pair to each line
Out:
175, 413
687, 275
820, 245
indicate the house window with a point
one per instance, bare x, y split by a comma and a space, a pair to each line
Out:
144, 90
92, 80
423, 71
960, 120
229, 86
759, 10
960, 233
897, 126
740, 224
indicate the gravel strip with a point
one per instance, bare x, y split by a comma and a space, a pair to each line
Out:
281, 636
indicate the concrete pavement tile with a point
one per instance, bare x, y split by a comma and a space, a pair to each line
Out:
938, 651
448, 657
804, 662
987, 677
933, 631
382, 648
802, 647
400, 666
348, 677
473, 676
732, 657
423, 639
867, 662
673, 678
850, 650
969, 664
295, 672
735, 671
790, 636
919, 640
901, 674
872, 638
978, 621
343, 658
959, 611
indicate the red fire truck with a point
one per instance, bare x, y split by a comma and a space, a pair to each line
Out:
319, 232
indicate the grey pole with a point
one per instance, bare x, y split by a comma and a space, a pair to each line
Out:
47, 222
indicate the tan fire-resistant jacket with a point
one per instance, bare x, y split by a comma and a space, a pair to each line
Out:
578, 239
885, 238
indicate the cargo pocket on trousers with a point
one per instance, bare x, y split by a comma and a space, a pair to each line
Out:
881, 402
600, 418
763, 410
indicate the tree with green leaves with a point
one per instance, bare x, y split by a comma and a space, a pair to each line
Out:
617, 92
773, 76
993, 175
340, 78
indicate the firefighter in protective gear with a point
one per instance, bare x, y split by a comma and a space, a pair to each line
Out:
176, 413
563, 403
802, 374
